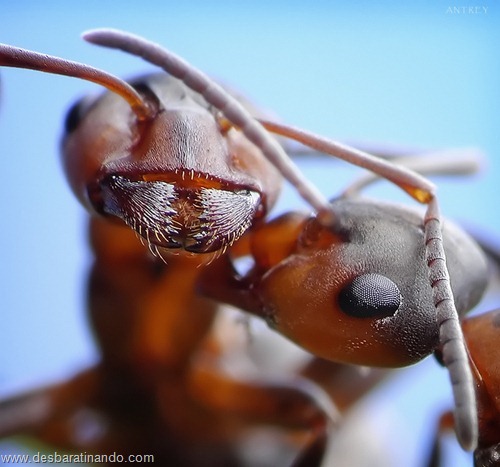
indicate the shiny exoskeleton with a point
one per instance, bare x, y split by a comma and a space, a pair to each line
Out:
179, 176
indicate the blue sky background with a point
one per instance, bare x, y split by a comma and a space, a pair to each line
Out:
419, 74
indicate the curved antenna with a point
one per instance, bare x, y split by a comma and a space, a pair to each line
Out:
16, 57
415, 185
451, 339
448, 162
224, 102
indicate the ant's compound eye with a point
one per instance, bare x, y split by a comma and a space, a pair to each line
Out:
76, 113
370, 296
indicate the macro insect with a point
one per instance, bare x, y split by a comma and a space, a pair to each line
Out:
481, 333
177, 161
479, 330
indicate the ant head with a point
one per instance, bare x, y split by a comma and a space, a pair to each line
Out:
156, 155
361, 294
180, 179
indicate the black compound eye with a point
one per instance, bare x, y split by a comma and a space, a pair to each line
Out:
369, 296
73, 117
77, 112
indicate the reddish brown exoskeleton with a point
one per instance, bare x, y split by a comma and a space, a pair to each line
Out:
481, 334
179, 162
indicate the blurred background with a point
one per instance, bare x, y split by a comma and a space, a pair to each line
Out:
419, 75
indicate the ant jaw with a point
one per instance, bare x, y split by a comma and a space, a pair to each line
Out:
171, 216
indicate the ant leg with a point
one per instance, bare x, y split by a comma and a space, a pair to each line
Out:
291, 401
50, 413
346, 384
307, 405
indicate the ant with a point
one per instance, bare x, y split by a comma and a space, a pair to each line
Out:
481, 335
179, 162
